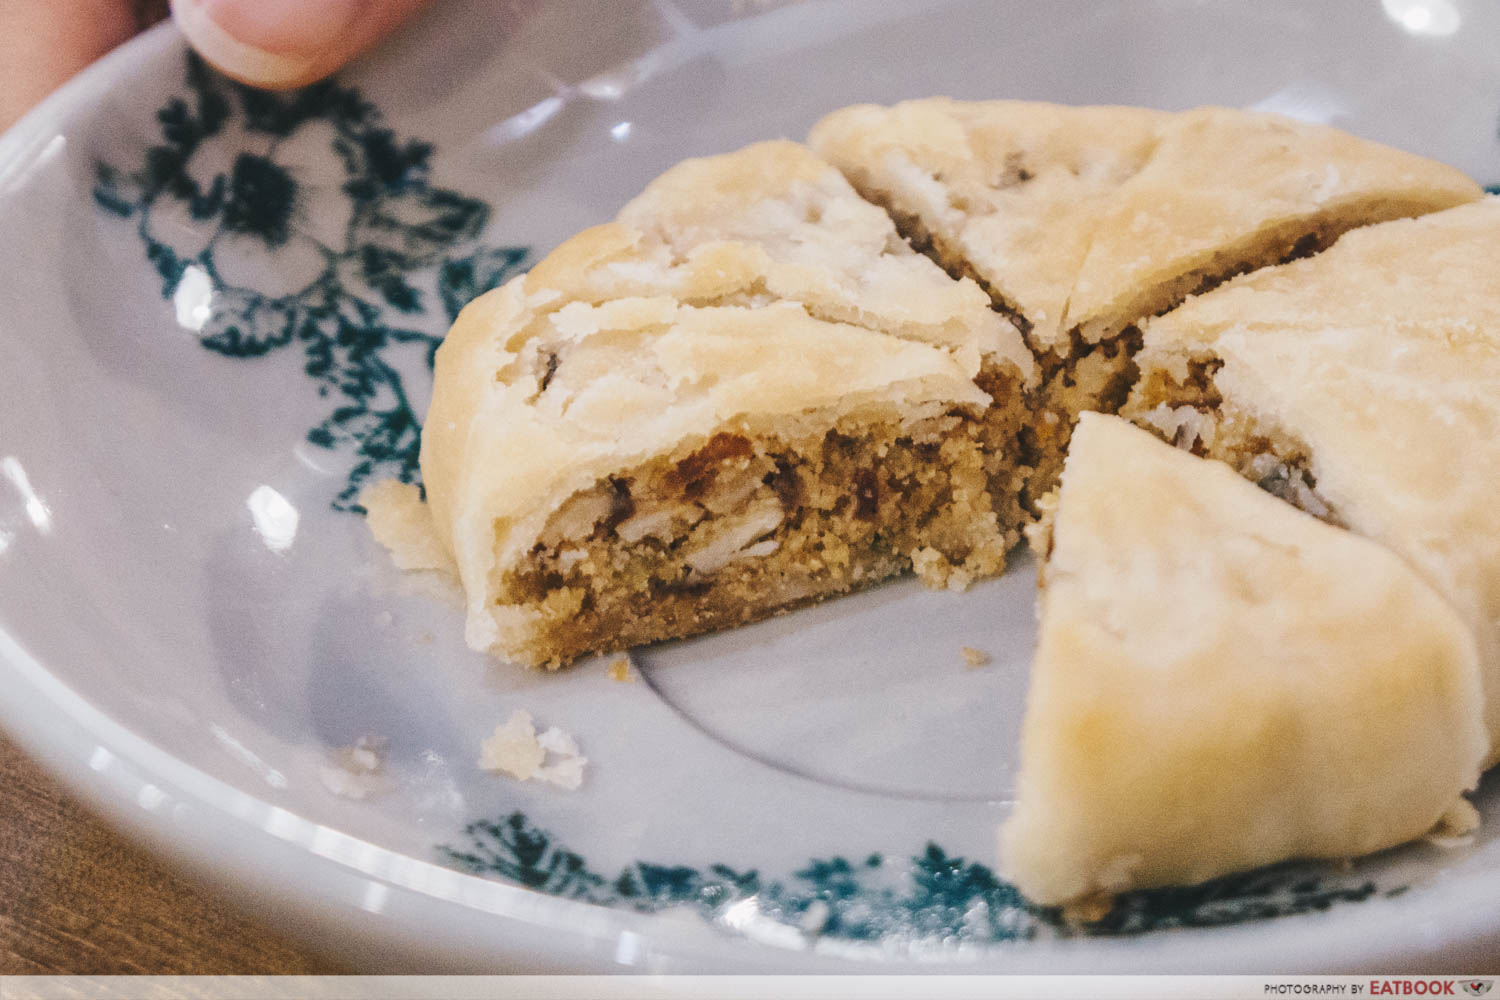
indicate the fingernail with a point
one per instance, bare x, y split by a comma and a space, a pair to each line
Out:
266, 43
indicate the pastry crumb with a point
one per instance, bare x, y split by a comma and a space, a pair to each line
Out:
975, 657
353, 772
398, 518
344, 784
515, 749
434, 585
815, 918
619, 670
1090, 909
1456, 827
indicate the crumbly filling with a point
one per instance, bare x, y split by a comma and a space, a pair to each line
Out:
1040, 537
1013, 446
745, 527
1087, 377
1096, 372
1191, 414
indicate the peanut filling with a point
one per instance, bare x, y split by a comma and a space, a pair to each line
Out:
1097, 372
1192, 415
745, 527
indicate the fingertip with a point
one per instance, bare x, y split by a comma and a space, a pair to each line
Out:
286, 43
248, 63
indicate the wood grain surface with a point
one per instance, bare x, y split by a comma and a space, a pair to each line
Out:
75, 897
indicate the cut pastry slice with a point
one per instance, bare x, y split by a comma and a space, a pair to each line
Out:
1082, 221
1364, 385
746, 393
1223, 681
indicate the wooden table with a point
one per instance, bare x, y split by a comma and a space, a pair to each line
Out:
77, 898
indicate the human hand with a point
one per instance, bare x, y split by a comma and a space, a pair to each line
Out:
265, 43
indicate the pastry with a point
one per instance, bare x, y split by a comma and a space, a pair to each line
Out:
744, 394
1223, 681
749, 392
1082, 221
1364, 386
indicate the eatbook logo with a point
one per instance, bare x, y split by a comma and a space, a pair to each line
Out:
1477, 987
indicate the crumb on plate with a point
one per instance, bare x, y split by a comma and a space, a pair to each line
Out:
1090, 909
515, 749
1456, 827
352, 772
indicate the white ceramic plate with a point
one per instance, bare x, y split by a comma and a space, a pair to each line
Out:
216, 309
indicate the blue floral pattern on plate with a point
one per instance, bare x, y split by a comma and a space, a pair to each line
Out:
932, 896
365, 300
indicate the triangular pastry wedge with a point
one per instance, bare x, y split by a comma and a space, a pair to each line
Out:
1091, 218
746, 393
1083, 221
1223, 681
1364, 385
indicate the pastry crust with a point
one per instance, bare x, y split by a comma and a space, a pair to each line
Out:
1379, 363
746, 296
1091, 218
1223, 682
1008, 191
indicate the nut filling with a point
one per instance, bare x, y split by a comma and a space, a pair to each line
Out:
1192, 415
1098, 372
745, 527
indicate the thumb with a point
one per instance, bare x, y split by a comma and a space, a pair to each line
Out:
286, 43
